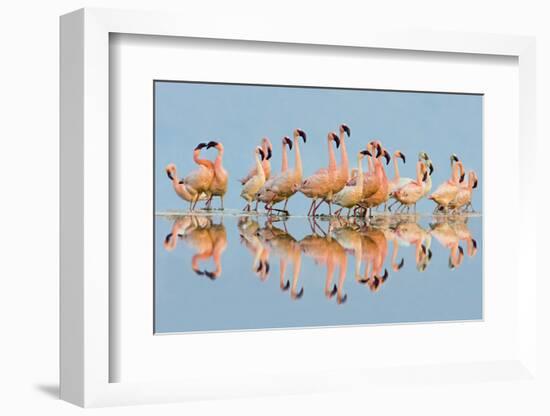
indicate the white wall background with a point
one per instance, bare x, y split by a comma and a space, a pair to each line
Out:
29, 199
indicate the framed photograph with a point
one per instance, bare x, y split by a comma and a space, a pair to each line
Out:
248, 215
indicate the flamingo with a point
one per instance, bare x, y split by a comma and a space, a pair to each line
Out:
287, 183
269, 197
464, 196
266, 163
320, 184
218, 187
181, 189
382, 193
371, 181
251, 188
351, 195
411, 193
423, 156
397, 181
199, 180
448, 190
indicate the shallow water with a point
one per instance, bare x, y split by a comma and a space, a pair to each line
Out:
235, 272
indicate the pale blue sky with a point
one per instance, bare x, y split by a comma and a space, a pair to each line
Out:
239, 116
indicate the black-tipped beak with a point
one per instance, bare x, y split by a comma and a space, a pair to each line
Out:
262, 154
288, 142
286, 286
210, 275
401, 264
425, 177
200, 146
387, 157
461, 178
346, 129
461, 250
342, 299
378, 151
300, 293
302, 134
454, 158
269, 153
474, 243
336, 140
181, 182
475, 184
199, 272
167, 239
365, 153
211, 144
431, 167
385, 275
170, 175
402, 156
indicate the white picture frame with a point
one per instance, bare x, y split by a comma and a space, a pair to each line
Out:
85, 264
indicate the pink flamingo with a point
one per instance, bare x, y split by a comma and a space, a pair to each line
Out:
199, 180
266, 163
287, 183
320, 184
382, 193
464, 196
448, 190
218, 187
269, 197
411, 193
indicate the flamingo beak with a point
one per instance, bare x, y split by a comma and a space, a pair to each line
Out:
269, 153
461, 178
402, 156
401, 264
169, 175
366, 153
387, 157
336, 140
475, 184
200, 146
288, 142
346, 129
262, 154
211, 144
378, 150
167, 239
425, 177
454, 158
302, 134
385, 275
431, 168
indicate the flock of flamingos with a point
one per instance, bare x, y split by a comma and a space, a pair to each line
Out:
352, 189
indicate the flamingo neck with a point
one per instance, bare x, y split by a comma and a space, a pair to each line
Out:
419, 172
344, 154
331, 157
298, 157
284, 163
359, 183
395, 168
455, 173
371, 164
201, 162
218, 164
259, 167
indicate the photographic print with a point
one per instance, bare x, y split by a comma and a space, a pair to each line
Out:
293, 207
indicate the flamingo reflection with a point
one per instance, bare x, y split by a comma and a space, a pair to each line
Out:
283, 245
208, 239
325, 250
